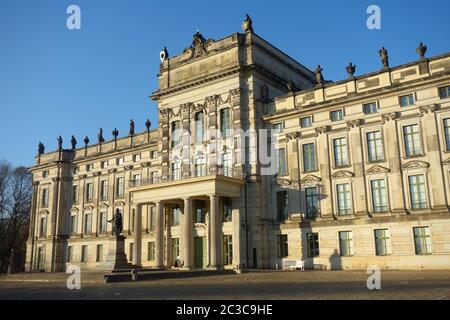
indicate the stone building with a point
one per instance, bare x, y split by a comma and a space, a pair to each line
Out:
362, 169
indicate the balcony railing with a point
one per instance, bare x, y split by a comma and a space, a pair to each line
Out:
181, 175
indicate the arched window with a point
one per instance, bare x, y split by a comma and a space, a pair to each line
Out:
199, 127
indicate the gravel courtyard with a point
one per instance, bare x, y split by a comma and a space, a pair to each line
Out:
253, 285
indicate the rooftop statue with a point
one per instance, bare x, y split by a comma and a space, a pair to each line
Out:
148, 124
115, 133
247, 25
73, 141
384, 57
41, 148
421, 50
60, 143
131, 127
86, 141
319, 76
351, 68
100, 136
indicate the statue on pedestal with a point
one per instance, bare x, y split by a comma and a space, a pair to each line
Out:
351, 68
421, 50
319, 76
131, 127
100, 136
384, 57
41, 148
117, 223
60, 143
247, 25
73, 141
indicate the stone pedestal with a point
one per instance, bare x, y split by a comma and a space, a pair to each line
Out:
116, 258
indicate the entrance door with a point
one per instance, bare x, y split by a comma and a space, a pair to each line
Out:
200, 252
40, 259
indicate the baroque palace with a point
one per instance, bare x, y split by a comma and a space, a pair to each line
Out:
362, 169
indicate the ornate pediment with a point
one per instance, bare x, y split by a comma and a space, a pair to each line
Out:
310, 178
119, 204
446, 162
377, 169
44, 211
283, 182
111, 171
415, 164
74, 210
88, 207
128, 168
342, 174
146, 164
103, 205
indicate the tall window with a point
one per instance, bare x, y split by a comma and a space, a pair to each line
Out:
152, 220
43, 227
280, 158
379, 195
104, 190
132, 252
89, 195
99, 257
417, 191
120, 187
337, 115
69, 257
282, 205
312, 202
200, 211
313, 244
346, 243
175, 135
73, 224
447, 133
199, 166
224, 121
444, 92
176, 212
120, 161
136, 157
382, 242
227, 209
340, 152
407, 100
227, 162
104, 164
375, 146
283, 248
199, 127
175, 249
151, 251
309, 159
278, 127
84, 253
176, 170
74, 194
411, 137
306, 122
87, 223
102, 222
344, 198
227, 250
422, 240
369, 108
154, 154
44, 198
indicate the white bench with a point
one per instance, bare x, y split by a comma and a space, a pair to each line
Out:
294, 265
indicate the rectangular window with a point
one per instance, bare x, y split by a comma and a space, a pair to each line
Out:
199, 167
306, 122
344, 198
176, 212
45, 197
346, 243
87, 223
337, 115
152, 220
200, 211
447, 133
120, 161
74, 194
379, 195
151, 251
369, 108
120, 187
227, 209
154, 154
312, 202
278, 127
407, 100
411, 137
73, 224
175, 249
382, 242
89, 192
444, 92
99, 256
45, 174
375, 146
137, 178
224, 121
103, 222
282, 205
43, 227
104, 164
132, 252
84, 253
104, 190
309, 157
176, 170
422, 240
280, 158
340, 152
175, 135
137, 157
89, 167
69, 254
283, 248
313, 244
227, 250
199, 127
417, 192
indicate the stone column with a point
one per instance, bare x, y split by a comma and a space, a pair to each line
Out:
137, 254
187, 234
214, 230
324, 165
159, 233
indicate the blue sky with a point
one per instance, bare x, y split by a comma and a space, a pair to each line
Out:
55, 81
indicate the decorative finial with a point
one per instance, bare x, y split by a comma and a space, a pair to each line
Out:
421, 50
86, 141
60, 143
247, 25
73, 141
131, 127
148, 124
351, 68
319, 76
384, 57
115, 133
100, 136
41, 148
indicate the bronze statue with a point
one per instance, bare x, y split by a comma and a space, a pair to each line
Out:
117, 223
41, 148
319, 76
86, 141
291, 86
60, 143
131, 127
73, 141
100, 136
421, 50
247, 25
384, 57
351, 68
115, 133
148, 125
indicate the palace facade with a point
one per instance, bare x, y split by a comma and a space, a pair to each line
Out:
362, 169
